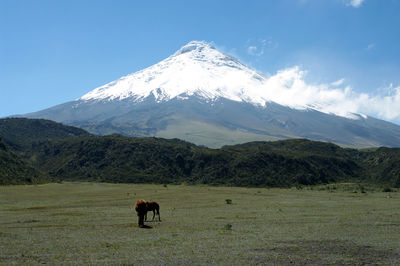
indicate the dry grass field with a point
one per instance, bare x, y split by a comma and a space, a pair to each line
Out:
94, 223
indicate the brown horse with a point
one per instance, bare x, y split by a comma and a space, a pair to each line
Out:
141, 211
153, 206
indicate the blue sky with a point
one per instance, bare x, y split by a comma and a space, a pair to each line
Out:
55, 51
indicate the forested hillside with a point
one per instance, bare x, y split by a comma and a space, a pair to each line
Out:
121, 159
15, 170
72, 154
21, 133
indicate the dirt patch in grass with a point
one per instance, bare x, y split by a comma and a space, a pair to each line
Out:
69, 214
325, 252
28, 221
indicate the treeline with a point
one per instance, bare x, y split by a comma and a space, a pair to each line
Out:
79, 156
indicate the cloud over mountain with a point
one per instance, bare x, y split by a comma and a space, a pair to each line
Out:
355, 3
288, 87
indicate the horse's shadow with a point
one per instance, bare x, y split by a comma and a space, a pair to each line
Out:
146, 227
152, 221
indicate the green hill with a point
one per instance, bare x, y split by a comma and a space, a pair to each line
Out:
15, 170
382, 165
22, 133
67, 153
122, 159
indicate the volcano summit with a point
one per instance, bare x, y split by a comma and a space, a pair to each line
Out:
195, 69
207, 97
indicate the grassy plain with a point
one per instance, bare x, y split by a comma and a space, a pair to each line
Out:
94, 223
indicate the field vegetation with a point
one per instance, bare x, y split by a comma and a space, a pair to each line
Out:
282, 202
94, 223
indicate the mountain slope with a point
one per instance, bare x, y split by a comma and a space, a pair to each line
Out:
221, 122
21, 133
209, 98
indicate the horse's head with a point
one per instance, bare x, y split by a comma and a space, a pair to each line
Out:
141, 206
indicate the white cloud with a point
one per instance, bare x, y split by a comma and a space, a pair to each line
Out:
370, 47
252, 50
355, 3
383, 106
261, 46
256, 51
288, 87
338, 82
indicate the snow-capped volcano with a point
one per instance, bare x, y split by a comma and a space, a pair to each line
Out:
204, 96
195, 69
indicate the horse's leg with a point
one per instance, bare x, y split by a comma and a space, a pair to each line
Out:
140, 220
145, 217
154, 214
159, 218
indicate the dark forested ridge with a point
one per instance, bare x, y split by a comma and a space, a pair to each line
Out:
21, 133
74, 155
15, 170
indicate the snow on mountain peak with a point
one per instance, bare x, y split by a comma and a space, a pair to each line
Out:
194, 45
196, 68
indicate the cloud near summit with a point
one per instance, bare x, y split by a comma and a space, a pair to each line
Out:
288, 87
354, 3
